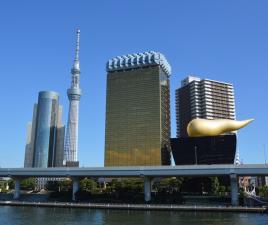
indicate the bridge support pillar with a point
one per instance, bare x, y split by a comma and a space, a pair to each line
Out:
75, 181
16, 194
147, 188
234, 190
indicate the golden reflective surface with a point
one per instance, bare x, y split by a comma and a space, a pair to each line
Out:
204, 127
137, 117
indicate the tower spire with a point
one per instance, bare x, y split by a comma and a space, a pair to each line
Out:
76, 66
77, 45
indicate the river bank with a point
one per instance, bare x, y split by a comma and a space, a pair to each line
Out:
150, 207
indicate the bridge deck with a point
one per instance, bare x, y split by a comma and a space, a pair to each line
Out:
154, 171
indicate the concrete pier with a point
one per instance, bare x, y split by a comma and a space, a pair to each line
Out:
75, 181
234, 190
16, 194
147, 188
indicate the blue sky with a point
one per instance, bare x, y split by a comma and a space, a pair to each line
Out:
222, 40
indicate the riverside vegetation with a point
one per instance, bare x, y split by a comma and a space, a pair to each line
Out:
130, 190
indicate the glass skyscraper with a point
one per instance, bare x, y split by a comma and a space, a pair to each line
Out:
45, 139
45, 136
138, 110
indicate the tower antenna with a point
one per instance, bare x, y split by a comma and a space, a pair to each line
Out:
77, 45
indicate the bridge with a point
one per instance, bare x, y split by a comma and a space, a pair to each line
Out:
146, 172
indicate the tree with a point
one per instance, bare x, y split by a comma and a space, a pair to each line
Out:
263, 191
169, 185
126, 185
215, 185
65, 185
222, 190
28, 184
88, 185
11, 183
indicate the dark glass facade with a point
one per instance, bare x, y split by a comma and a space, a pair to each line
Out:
137, 117
46, 129
204, 150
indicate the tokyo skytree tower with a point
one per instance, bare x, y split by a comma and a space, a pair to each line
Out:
74, 94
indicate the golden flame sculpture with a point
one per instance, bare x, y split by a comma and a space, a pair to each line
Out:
204, 127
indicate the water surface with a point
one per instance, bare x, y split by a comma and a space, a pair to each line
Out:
11, 215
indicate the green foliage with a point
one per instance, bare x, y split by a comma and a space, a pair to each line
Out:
215, 185
88, 185
11, 183
65, 185
2, 184
28, 184
169, 185
241, 192
263, 191
127, 185
222, 190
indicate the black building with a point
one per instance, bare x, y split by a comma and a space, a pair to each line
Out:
204, 150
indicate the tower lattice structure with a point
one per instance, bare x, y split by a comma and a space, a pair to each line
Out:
74, 94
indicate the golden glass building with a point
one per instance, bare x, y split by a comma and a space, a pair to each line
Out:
138, 110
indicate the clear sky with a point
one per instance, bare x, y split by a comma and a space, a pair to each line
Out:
223, 40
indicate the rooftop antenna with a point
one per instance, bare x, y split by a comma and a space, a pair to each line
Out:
264, 152
77, 44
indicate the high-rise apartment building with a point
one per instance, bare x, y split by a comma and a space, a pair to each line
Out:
45, 134
138, 110
203, 98
74, 94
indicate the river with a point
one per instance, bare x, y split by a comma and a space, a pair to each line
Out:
11, 215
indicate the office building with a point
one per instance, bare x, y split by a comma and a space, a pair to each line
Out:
203, 98
45, 134
74, 94
137, 131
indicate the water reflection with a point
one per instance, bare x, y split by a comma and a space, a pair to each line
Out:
56, 216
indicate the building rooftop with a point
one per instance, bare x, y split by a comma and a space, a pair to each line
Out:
191, 78
136, 60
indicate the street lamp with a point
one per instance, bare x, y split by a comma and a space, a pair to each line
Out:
195, 154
